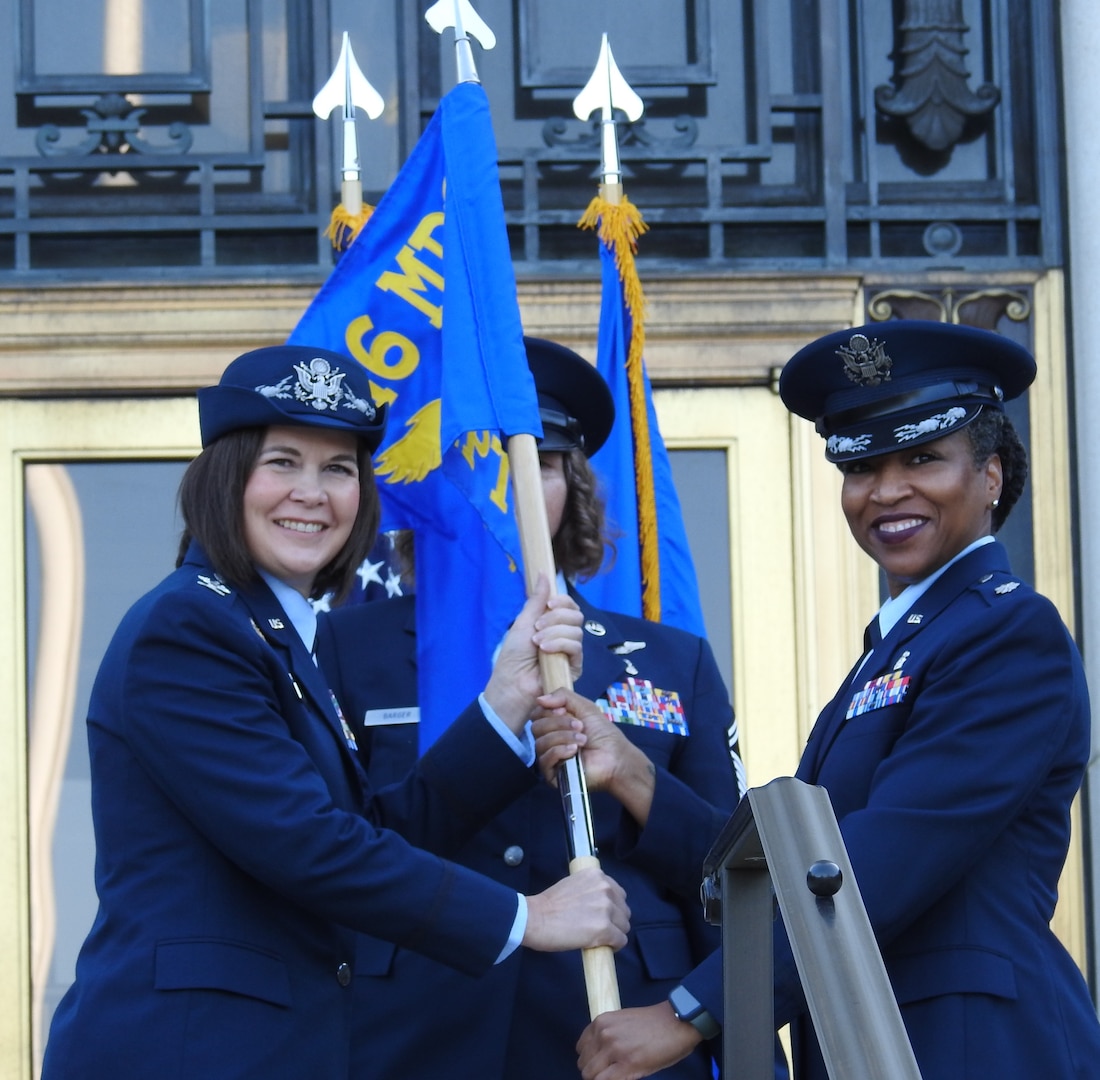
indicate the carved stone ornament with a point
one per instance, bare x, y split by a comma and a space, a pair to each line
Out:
932, 94
983, 307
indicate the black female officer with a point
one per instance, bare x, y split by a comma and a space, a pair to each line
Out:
954, 748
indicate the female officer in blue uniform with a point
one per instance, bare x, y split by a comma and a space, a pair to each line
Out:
955, 746
237, 847
522, 1020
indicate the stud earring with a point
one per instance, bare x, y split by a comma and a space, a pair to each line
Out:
996, 503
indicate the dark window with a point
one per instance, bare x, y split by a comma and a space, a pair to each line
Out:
791, 130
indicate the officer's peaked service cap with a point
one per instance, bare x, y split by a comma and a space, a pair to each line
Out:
575, 403
296, 385
882, 387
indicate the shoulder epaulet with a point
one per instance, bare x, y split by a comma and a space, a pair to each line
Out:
1003, 589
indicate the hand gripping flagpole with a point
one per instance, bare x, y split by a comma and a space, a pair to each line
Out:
600, 980
348, 89
601, 983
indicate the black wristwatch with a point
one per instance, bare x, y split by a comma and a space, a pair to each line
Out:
689, 1009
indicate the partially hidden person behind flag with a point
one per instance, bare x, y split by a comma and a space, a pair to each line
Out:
663, 689
239, 845
953, 750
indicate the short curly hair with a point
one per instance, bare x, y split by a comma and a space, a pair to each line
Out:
992, 432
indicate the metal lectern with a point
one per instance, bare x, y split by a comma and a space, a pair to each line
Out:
784, 837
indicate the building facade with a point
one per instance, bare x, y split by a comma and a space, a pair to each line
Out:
803, 165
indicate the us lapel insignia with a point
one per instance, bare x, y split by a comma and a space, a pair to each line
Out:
639, 703
915, 620
596, 629
1006, 588
276, 624
214, 584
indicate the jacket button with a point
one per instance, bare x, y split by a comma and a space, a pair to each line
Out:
513, 855
343, 974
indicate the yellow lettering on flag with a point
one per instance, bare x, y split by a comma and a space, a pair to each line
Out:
478, 445
416, 277
376, 357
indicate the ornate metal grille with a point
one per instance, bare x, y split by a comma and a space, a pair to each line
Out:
789, 135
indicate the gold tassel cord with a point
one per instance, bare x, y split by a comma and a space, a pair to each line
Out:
619, 225
344, 226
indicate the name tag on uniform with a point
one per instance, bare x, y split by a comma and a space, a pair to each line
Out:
407, 714
639, 702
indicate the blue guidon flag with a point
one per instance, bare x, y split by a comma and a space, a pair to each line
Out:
425, 299
652, 574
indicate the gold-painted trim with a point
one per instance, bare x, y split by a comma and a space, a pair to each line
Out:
43, 431
53, 502
1052, 516
749, 425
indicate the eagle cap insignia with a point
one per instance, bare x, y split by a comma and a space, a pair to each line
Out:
865, 360
319, 384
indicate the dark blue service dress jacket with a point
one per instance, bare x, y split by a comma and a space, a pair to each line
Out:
951, 761
521, 1021
238, 850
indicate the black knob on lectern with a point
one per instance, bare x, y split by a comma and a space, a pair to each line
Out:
824, 878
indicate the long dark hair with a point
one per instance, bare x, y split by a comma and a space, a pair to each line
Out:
211, 502
583, 534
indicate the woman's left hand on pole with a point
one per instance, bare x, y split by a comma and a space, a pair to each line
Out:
548, 625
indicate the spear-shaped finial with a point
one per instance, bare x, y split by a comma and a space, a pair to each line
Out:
607, 90
467, 23
348, 89
619, 223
